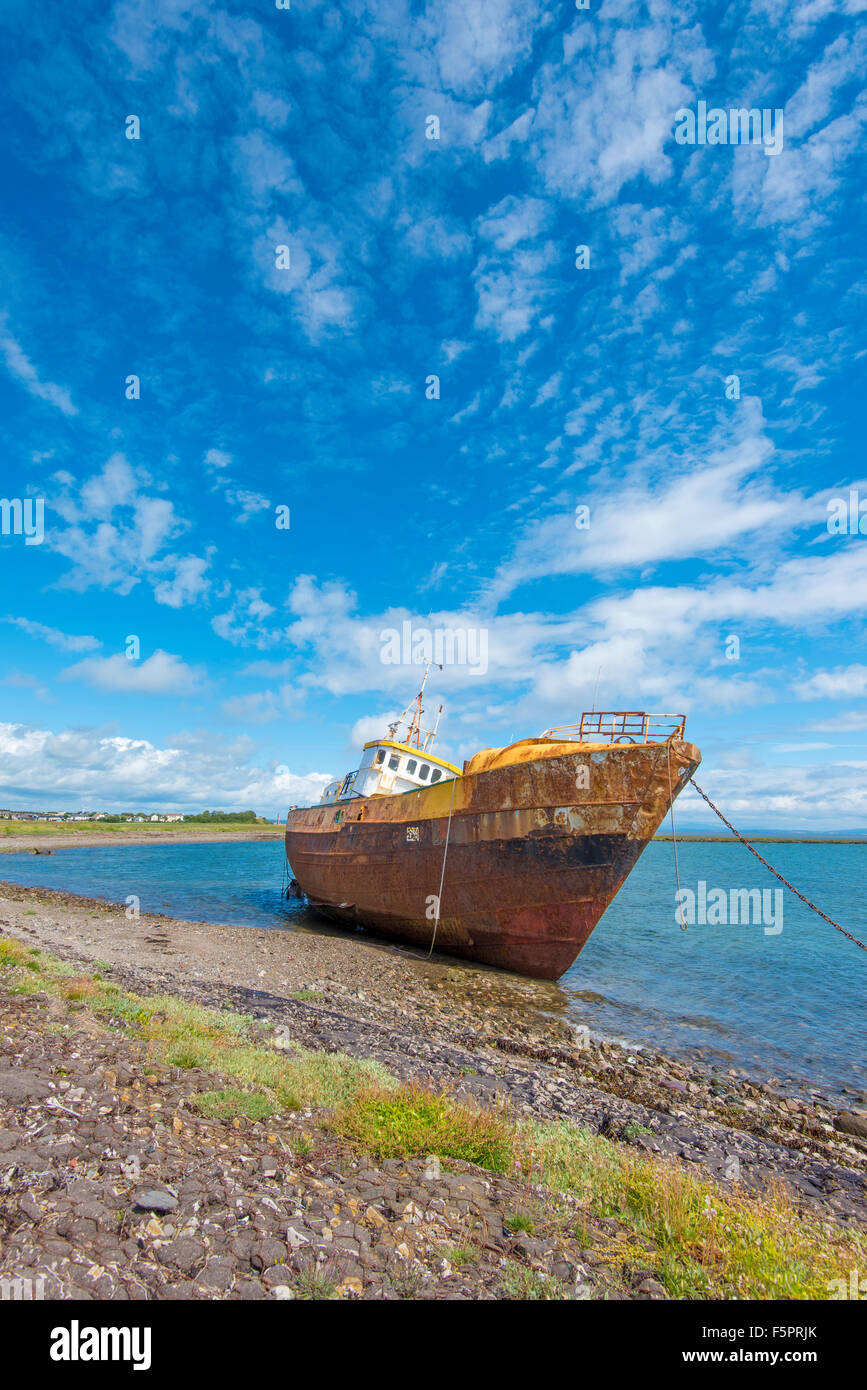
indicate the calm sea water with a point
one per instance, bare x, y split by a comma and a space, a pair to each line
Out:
789, 1005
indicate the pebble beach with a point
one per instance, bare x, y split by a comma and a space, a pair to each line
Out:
243, 1212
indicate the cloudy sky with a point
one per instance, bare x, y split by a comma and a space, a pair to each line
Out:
338, 250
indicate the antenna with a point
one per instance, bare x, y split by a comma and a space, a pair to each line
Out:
432, 735
415, 730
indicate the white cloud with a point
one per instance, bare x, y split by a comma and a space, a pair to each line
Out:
261, 707
639, 523
246, 503
841, 683
20, 367
117, 533
606, 114
55, 638
159, 674
217, 459
245, 621
87, 767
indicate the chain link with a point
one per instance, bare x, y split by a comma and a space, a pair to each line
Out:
772, 870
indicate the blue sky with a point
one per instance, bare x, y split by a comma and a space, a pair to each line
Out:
309, 387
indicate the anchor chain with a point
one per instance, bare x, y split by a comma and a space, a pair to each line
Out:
772, 870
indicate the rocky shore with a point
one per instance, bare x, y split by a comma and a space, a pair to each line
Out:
113, 1185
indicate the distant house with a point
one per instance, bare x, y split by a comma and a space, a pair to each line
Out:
172, 816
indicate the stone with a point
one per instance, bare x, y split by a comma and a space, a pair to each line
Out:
154, 1199
849, 1123
651, 1288
18, 1084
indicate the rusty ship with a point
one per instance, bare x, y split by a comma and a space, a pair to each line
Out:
510, 860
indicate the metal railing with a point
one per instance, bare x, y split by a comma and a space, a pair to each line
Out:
621, 726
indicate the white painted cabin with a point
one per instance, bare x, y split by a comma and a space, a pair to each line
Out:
388, 767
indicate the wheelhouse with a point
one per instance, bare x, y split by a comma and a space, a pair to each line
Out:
390, 765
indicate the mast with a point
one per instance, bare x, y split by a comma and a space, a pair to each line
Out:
414, 735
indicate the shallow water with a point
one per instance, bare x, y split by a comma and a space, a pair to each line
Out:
788, 1004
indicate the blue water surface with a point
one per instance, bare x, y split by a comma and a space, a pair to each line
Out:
787, 1005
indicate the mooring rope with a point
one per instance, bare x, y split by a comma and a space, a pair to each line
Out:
443, 871
683, 925
772, 870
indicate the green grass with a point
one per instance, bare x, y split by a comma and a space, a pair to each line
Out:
228, 1104
529, 1284
700, 1240
316, 1283
413, 1121
521, 1221
186, 1035
39, 828
707, 1242
458, 1255
632, 1130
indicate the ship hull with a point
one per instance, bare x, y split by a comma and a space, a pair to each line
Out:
536, 841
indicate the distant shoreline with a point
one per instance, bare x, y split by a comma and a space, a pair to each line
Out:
85, 836
770, 839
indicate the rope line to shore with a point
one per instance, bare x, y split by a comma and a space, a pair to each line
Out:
443, 873
683, 926
772, 870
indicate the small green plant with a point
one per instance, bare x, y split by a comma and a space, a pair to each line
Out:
307, 996
407, 1283
411, 1120
316, 1283
185, 1056
458, 1255
531, 1284
521, 1221
228, 1104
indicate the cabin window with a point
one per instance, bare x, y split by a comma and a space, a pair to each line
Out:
423, 771
394, 762
411, 767
380, 756
435, 775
